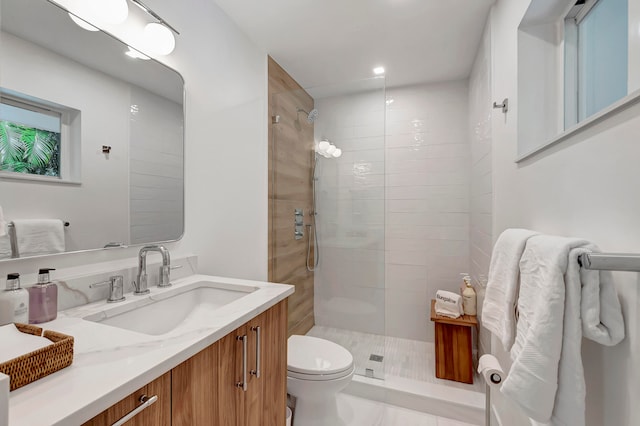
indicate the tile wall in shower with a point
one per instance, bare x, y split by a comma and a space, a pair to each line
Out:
427, 202
350, 192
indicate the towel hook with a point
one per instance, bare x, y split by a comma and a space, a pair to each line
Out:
504, 105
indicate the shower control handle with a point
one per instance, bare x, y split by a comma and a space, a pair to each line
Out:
298, 224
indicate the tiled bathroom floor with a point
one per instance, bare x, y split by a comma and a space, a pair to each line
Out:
355, 411
409, 359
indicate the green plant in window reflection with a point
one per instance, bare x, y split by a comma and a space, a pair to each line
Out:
25, 149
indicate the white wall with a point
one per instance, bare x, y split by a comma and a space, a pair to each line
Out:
226, 149
481, 188
427, 199
156, 173
585, 187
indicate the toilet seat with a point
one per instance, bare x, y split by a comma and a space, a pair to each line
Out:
311, 358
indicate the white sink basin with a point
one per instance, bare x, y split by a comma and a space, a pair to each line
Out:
161, 313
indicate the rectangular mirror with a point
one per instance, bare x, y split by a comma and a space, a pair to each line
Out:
88, 135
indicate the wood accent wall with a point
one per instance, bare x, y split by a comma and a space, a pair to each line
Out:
290, 156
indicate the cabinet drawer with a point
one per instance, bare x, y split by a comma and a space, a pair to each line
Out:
155, 414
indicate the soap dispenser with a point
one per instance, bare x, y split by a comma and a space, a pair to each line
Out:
43, 299
14, 302
469, 297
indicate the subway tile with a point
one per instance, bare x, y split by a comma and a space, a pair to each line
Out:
428, 232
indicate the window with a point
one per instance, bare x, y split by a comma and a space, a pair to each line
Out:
596, 60
30, 138
578, 65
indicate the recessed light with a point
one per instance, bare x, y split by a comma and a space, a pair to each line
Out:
378, 70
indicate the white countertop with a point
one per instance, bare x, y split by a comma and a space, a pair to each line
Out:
110, 363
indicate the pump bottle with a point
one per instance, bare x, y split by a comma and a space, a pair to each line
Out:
14, 302
43, 299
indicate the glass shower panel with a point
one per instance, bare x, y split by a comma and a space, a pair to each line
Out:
350, 206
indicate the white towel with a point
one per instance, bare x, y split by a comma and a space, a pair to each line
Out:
5, 247
16, 343
547, 378
498, 308
39, 236
448, 304
3, 224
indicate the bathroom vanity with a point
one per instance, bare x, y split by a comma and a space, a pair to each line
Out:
214, 365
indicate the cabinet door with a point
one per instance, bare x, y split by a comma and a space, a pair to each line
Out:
267, 396
232, 360
156, 414
194, 400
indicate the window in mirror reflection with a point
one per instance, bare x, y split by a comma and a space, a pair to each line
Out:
30, 138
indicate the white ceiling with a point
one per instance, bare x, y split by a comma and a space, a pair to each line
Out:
321, 42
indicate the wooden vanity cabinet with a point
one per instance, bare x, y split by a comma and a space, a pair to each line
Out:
262, 402
207, 388
156, 414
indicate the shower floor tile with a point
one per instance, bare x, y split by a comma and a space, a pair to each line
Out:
409, 359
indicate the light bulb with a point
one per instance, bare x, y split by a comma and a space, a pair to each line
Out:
133, 53
331, 149
82, 23
111, 11
99, 12
159, 39
323, 145
337, 153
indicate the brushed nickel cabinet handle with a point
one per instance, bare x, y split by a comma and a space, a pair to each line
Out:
243, 383
146, 402
256, 372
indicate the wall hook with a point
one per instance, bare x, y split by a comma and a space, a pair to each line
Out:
106, 149
504, 105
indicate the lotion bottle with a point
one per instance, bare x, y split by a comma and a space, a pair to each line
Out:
469, 297
43, 299
14, 302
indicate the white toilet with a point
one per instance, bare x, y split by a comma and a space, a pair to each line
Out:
317, 370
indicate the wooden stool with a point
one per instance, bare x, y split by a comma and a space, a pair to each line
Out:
454, 351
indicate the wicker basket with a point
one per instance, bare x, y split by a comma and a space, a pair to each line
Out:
35, 365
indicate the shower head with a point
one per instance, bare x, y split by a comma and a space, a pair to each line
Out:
311, 115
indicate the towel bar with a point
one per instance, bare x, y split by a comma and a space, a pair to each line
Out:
610, 261
10, 224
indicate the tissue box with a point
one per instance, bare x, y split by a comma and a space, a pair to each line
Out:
42, 362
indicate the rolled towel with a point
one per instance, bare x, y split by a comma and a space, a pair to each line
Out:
448, 304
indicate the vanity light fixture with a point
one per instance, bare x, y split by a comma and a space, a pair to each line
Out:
105, 11
378, 70
157, 37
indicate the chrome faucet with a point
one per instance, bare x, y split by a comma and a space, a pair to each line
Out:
140, 284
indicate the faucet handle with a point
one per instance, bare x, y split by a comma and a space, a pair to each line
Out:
116, 288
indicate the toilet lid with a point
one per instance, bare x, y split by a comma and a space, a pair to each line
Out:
310, 355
